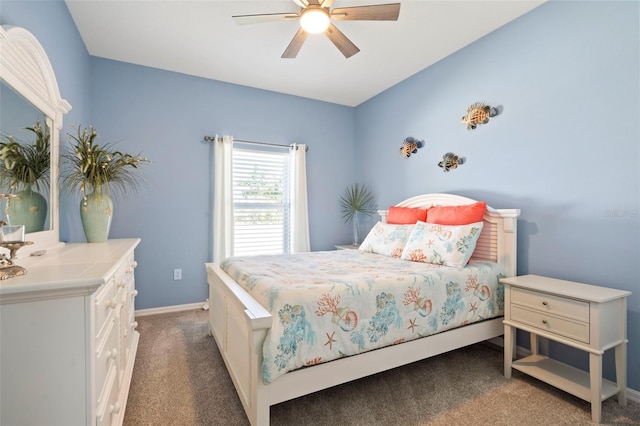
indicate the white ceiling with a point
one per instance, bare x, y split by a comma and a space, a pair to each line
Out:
199, 38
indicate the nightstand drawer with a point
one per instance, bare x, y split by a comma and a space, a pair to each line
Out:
576, 330
547, 303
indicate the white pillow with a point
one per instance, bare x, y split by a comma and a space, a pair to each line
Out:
442, 244
387, 239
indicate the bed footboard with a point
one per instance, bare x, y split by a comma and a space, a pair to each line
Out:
239, 325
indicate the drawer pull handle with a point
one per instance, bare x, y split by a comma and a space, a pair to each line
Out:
545, 303
115, 408
112, 354
134, 293
121, 283
135, 325
545, 322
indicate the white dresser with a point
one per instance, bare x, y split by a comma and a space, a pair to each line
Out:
586, 317
68, 340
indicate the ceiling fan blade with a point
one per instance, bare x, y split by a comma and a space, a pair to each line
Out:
296, 43
314, 2
301, 3
327, 3
377, 12
265, 17
341, 41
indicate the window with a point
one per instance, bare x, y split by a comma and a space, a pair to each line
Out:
261, 201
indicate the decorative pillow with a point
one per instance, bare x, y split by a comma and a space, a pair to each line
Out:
442, 244
387, 239
457, 215
406, 215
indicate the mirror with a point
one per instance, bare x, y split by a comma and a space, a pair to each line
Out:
25, 159
29, 95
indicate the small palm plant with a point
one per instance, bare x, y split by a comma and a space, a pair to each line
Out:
355, 200
96, 170
26, 165
89, 166
24, 173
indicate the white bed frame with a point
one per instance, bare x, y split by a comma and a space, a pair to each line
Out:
239, 325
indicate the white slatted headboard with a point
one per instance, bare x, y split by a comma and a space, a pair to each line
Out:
498, 240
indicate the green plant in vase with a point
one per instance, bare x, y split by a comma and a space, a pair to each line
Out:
24, 172
356, 200
98, 170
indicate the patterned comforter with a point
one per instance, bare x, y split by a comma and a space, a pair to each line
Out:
331, 304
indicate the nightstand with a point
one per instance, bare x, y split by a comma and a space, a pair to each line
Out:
583, 316
347, 247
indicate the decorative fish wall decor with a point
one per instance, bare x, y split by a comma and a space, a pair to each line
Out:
450, 161
410, 146
478, 113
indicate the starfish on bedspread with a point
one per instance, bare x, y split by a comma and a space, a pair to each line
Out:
330, 340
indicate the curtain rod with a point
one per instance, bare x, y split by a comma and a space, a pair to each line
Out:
217, 138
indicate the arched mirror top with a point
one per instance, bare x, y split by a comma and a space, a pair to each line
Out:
25, 68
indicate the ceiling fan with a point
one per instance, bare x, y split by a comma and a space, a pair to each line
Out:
315, 17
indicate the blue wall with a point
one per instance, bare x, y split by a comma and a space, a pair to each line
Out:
166, 115
565, 148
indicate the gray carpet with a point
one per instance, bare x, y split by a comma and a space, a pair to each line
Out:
179, 378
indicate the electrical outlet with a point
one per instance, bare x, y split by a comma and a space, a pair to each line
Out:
177, 274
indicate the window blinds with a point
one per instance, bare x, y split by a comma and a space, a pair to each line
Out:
261, 202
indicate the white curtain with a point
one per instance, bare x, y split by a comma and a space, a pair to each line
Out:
299, 211
222, 198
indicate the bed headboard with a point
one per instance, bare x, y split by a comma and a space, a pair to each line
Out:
498, 239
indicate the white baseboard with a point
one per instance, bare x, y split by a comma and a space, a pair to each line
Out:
174, 308
632, 394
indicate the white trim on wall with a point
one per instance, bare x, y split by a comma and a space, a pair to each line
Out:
174, 308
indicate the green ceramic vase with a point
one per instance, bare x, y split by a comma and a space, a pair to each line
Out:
96, 211
28, 208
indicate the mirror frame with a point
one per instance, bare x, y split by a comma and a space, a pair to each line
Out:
25, 67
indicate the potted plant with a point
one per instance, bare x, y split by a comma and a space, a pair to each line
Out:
355, 200
98, 170
24, 172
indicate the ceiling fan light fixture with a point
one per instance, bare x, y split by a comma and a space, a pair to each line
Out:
314, 20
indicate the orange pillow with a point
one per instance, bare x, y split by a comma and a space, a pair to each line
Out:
406, 215
457, 215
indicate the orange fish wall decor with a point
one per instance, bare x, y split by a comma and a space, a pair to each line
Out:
478, 113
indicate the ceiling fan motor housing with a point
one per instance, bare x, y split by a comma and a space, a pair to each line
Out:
315, 19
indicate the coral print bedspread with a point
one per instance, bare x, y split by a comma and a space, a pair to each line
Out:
331, 304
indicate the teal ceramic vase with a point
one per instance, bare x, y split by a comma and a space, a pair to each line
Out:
96, 211
28, 208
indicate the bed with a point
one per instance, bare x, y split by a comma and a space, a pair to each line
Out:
242, 326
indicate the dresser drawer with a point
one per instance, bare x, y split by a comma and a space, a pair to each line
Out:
122, 276
105, 302
572, 329
547, 303
107, 349
108, 407
130, 264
